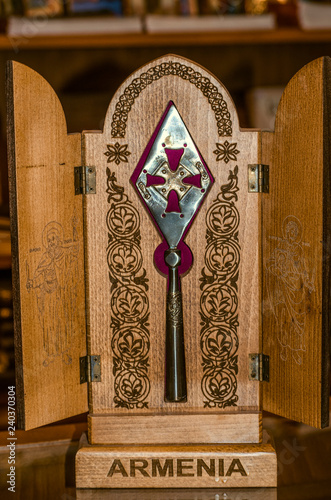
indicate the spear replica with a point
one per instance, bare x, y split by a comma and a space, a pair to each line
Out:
172, 180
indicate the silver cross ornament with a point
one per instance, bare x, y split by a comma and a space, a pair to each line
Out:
172, 180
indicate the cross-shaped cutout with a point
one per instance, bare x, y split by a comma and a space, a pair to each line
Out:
173, 180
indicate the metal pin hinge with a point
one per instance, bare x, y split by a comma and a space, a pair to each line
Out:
259, 367
85, 181
90, 369
258, 178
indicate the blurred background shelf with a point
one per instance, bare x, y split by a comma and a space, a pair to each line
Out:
86, 70
270, 37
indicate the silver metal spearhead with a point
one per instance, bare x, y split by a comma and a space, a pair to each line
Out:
172, 180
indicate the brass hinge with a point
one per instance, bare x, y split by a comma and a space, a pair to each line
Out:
259, 367
85, 182
258, 178
90, 369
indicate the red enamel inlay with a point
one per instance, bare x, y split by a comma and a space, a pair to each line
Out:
186, 258
173, 202
154, 180
174, 156
193, 180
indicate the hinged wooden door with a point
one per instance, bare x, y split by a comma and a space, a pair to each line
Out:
48, 252
296, 249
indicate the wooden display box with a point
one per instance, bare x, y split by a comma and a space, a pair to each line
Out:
90, 297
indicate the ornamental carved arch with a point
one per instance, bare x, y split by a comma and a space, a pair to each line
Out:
189, 73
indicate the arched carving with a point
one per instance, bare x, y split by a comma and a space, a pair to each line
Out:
133, 90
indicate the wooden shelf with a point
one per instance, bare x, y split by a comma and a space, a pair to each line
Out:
279, 36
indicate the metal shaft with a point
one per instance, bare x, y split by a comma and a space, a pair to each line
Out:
175, 374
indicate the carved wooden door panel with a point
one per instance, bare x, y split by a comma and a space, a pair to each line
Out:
296, 249
48, 252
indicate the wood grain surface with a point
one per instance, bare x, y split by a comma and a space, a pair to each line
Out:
48, 252
296, 249
183, 429
144, 97
208, 466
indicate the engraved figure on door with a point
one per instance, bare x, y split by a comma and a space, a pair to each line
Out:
54, 283
288, 282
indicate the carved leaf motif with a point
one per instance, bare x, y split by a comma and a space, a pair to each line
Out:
219, 386
142, 280
123, 220
229, 191
219, 342
119, 403
218, 303
116, 366
115, 192
131, 346
219, 345
130, 303
206, 279
234, 364
226, 151
124, 259
223, 220
132, 386
230, 402
130, 335
117, 153
223, 257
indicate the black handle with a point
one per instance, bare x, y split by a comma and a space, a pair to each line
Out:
175, 374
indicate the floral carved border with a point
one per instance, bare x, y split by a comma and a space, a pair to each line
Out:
208, 89
130, 337
219, 299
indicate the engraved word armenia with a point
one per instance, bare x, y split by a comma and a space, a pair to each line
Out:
180, 467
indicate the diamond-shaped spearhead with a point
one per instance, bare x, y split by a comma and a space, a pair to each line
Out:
171, 177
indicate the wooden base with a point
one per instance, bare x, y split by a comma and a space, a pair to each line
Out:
218, 428
188, 466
